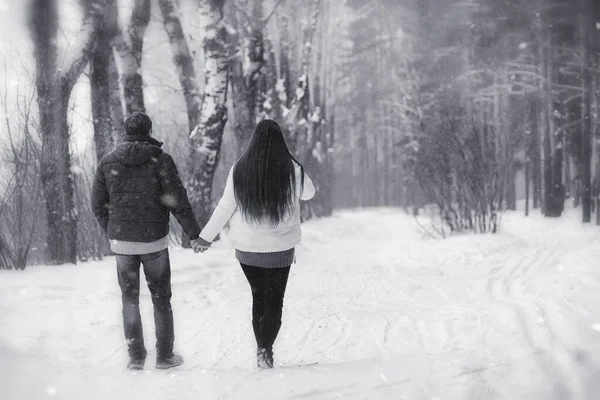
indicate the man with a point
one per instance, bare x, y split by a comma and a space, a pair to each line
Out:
136, 186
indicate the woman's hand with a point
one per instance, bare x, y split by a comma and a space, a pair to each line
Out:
200, 245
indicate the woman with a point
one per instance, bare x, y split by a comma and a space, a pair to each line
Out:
261, 204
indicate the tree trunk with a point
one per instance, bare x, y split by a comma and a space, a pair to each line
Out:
111, 31
115, 101
183, 61
534, 151
553, 202
566, 168
57, 181
246, 73
129, 46
207, 136
100, 93
586, 126
527, 184
54, 88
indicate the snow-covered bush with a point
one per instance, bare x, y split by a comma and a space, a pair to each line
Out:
462, 170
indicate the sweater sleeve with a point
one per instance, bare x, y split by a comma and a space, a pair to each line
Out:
223, 212
307, 191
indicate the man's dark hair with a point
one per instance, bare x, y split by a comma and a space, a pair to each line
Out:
138, 123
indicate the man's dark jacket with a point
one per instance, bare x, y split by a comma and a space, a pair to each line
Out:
135, 187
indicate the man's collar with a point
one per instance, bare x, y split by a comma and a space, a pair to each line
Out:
142, 138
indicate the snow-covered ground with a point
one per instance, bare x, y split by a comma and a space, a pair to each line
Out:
385, 312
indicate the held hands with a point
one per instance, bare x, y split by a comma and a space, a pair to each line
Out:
200, 245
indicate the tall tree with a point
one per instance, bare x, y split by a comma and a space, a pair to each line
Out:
129, 45
104, 83
207, 135
54, 83
183, 60
115, 100
586, 117
246, 68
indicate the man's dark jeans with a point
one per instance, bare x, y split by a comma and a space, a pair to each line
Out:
157, 270
268, 289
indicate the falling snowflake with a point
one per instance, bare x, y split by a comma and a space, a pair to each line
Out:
169, 200
523, 45
51, 391
596, 327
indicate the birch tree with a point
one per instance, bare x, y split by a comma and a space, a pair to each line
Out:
55, 79
206, 137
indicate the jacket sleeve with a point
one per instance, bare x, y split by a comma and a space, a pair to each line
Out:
175, 198
223, 212
100, 199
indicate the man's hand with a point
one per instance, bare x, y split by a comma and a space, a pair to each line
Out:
200, 245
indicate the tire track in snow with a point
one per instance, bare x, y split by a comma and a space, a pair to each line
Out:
303, 342
536, 330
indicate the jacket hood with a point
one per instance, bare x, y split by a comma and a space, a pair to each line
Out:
137, 150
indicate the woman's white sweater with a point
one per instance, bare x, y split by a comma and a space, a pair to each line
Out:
258, 238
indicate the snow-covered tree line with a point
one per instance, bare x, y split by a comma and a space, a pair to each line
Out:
508, 89
463, 106
471, 105
230, 64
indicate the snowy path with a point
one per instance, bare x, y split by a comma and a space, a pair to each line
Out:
386, 314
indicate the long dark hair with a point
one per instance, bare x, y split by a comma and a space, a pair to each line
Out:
264, 177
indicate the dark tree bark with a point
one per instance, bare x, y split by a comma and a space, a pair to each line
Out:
207, 136
100, 93
246, 72
116, 103
54, 84
129, 46
183, 61
552, 161
115, 100
586, 126
534, 152
527, 184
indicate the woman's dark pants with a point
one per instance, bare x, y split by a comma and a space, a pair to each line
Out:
268, 288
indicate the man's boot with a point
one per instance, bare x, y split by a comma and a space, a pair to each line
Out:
136, 363
171, 361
